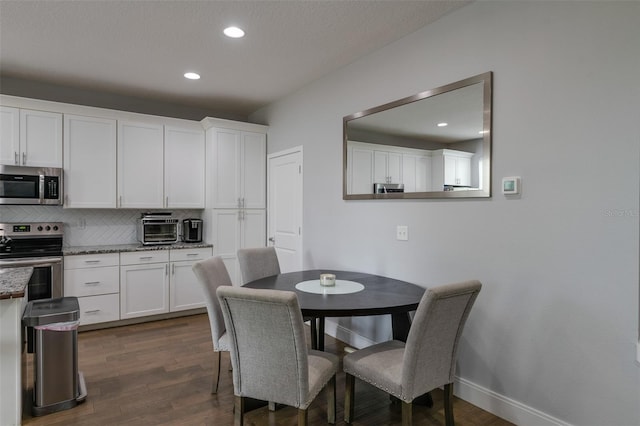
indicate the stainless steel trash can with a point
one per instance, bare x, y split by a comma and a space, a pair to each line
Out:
53, 326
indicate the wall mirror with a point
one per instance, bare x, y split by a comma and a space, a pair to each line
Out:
435, 144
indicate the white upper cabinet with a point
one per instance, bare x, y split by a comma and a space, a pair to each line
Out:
387, 167
360, 177
140, 165
450, 168
89, 162
416, 172
236, 169
184, 162
30, 137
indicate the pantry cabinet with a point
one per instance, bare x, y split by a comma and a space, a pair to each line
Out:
233, 229
140, 165
89, 162
450, 168
95, 281
236, 169
30, 137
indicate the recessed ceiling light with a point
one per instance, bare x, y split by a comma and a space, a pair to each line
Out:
233, 32
443, 124
192, 76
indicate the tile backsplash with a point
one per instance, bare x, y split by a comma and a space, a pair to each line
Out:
88, 227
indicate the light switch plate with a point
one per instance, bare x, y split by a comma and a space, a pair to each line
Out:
402, 232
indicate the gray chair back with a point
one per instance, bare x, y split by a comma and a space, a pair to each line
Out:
432, 345
212, 273
256, 263
269, 351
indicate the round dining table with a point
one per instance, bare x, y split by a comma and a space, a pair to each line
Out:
366, 294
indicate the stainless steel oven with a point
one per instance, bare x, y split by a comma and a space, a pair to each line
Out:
39, 245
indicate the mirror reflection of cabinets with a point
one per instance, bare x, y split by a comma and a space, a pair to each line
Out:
435, 144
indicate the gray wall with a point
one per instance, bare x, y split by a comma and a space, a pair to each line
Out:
556, 324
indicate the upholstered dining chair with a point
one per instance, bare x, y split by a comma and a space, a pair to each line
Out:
211, 274
258, 262
269, 354
428, 358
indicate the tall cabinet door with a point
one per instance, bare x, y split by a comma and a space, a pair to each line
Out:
140, 165
224, 231
9, 136
89, 162
253, 157
184, 168
223, 154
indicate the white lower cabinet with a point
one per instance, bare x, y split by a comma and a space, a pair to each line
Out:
116, 286
144, 283
94, 280
185, 292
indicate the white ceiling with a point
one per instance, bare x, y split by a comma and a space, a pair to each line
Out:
142, 48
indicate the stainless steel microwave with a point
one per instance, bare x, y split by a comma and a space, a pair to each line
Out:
31, 185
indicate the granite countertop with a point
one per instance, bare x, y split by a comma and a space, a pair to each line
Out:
13, 281
70, 251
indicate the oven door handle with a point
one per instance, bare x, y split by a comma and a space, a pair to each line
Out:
34, 261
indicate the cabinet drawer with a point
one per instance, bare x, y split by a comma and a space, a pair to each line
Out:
177, 255
94, 309
91, 260
91, 281
142, 257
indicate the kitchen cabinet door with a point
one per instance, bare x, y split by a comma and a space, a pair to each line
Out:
144, 290
89, 162
40, 138
450, 168
361, 170
236, 169
387, 167
233, 229
253, 170
140, 165
184, 161
30, 138
9, 136
185, 292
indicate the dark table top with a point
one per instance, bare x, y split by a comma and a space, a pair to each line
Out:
381, 295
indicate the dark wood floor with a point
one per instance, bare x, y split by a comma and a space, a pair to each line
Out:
160, 373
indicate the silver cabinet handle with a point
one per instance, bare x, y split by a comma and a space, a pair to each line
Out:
92, 261
173, 269
166, 269
24, 158
146, 257
192, 254
167, 202
92, 283
93, 311
15, 158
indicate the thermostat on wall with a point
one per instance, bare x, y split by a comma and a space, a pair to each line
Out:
511, 185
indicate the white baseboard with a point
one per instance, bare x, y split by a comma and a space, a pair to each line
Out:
502, 406
488, 400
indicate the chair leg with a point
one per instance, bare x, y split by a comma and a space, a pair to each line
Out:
216, 371
448, 404
302, 417
238, 411
272, 406
314, 333
350, 382
331, 401
407, 413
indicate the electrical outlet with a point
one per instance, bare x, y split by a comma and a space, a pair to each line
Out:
402, 233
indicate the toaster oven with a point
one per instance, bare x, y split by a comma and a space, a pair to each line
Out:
157, 228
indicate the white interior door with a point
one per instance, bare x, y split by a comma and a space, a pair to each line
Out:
285, 207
